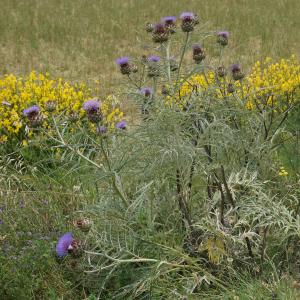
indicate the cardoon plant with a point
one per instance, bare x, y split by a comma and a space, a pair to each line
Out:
194, 188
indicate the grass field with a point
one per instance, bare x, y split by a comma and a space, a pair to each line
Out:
80, 39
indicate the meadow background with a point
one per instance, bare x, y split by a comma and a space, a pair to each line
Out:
79, 40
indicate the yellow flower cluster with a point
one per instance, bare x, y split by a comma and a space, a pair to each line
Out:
270, 84
17, 94
283, 172
274, 85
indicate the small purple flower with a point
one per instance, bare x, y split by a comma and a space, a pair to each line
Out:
121, 125
154, 58
101, 130
91, 106
64, 244
236, 71
169, 20
1, 222
187, 16
224, 34
22, 204
31, 112
146, 91
123, 61
222, 38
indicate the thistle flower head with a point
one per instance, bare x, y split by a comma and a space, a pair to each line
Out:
187, 16
146, 91
236, 72
101, 130
198, 53
91, 106
153, 58
31, 111
159, 28
235, 68
64, 244
122, 61
222, 38
121, 125
224, 34
169, 20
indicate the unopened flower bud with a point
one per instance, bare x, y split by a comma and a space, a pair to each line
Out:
51, 106
230, 88
83, 224
198, 53
221, 71
153, 66
149, 27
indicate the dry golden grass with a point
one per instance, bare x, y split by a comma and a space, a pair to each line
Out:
80, 39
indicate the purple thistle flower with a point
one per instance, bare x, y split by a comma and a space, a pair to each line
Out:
146, 91
224, 34
101, 130
121, 125
187, 16
169, 20
91, 106
31, 111
237, 73
235, 68
123, 61
159, 28
153, 58
64, 244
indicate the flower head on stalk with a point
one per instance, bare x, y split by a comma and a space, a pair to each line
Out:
222, 38
101, 130
146, 91
92, 108
32, 113
121, 125
160, 33
187, 21
124, 64
170, 23
198, 53
64, 244
153, 58
236, 72
153, 66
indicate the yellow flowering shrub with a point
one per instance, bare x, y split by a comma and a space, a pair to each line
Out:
17, 94
270, 84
